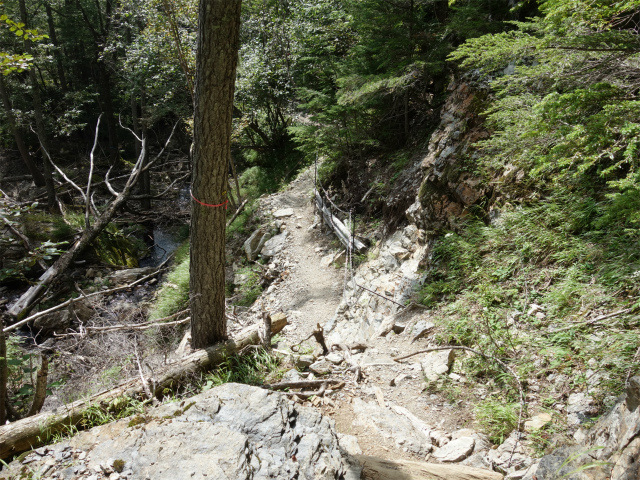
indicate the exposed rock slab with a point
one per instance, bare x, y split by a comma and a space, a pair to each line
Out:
611, 448
391, 425
232, 431
283, 213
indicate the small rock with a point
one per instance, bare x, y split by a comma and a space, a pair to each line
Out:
254, 243
580, 436
464, 432
421, 328
580, 408
304, 361
129, 275
533, 308
283, 212
437, 363
439, 437
291, 376
456, 450
349, 443
321, 367
334, 358
398, 379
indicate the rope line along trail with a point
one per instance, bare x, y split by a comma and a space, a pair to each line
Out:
346, 235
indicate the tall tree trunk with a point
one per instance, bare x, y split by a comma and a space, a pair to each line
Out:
38, 178
104, 82
217, 55
54, 39
37, 109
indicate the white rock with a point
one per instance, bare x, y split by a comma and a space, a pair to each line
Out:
464, 432
456, 450
580, 408
350, 444
334, 358
321, 367
437, 363
537, 422
283, 212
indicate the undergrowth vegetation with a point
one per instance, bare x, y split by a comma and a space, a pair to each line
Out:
527, 287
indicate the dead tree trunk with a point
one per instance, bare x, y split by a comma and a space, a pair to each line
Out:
3, 374
29, 432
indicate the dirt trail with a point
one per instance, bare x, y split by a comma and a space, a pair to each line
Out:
310, 293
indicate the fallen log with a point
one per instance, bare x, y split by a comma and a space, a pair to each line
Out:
30, 432
375, 468
339, 228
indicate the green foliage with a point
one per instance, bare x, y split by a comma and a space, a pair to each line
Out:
16, 63
254, 368
564, 114
121, 407
173, 295
251, 288
497, 419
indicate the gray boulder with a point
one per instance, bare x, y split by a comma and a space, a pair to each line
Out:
254, 243
232, 431
274, 245
130, 275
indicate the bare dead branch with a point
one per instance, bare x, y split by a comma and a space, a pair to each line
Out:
74, 300
87, 195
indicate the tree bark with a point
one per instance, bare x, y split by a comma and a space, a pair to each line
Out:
52, 202
54, 39
32, 431
38, 178
40, 390
218, 39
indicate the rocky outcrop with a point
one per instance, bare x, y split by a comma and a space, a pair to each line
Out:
611, 449
389, 281
232, 431
449, 186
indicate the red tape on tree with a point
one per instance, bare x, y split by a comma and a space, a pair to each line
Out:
223, 204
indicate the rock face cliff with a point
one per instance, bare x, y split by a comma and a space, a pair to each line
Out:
233, 431
449, 186
444, 187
